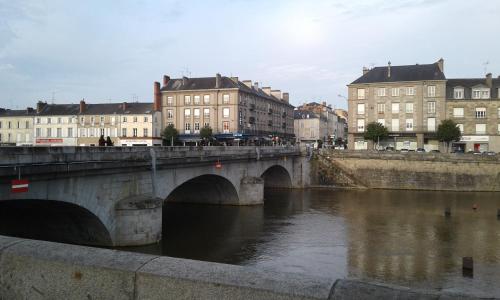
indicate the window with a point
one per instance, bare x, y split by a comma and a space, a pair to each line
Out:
409, 124
225, 112
431, 91
485, 94
458, 112
206, 124
187, 100
431, 107
381, 92
135, 119
102, 132
225, 127
196, 127
206, 99
395, 125
395, 108
225, 99
481, 93
461, 127
380, 108
145, 119
480, 128
38, 120
431, 124
361, 125
187, 112
381, 121
206, 112
498, 112
27, 124
196, 100
49, 120
0, 124
59, 132
70, 132
410, 91
92, 120
187, 128
196, 112
480, 112
361, 108
145, 132
124, 132
38, 132
361, 94
395, 92
170, 114
458, 93
409, 107
170, 100
49, 132
134, 132
124, 119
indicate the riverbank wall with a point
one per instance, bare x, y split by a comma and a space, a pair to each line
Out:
31, 269
407, 171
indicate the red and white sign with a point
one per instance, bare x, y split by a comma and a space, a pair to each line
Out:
48, 141
218, 165
19, 186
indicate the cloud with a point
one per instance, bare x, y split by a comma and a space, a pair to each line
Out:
6, 67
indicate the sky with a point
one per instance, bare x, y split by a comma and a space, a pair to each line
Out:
112, 51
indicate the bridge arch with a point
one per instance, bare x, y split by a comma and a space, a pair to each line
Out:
206, 189
50, 220
276, 177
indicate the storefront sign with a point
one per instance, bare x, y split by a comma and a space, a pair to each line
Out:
474, 138
49, 141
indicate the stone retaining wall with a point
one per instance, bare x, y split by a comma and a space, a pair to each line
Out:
32, 269
412, 171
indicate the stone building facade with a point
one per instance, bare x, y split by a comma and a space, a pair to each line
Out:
235, 110
310, 127
408, 100
474, 104
16, 127
330, 126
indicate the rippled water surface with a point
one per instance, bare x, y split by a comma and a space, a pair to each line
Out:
399, 237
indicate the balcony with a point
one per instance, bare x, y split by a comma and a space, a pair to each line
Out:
252, 107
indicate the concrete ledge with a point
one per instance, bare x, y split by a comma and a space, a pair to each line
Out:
32, 269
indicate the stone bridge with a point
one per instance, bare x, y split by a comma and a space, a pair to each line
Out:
114, 195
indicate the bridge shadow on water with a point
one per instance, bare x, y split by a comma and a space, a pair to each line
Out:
51, 221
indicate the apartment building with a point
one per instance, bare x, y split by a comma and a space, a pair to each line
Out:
235, 110
474, 104
331, 126
409, 100
55, 124
16, 127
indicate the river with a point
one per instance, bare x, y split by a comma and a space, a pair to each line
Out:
399, 237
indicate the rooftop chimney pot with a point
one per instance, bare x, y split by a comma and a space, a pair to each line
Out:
157, 95
441, 64
166, 79
389, 69
218, 81
489, 80
83, 106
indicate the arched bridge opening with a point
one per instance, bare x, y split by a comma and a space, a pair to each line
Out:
205, 189
276, 177
54, 221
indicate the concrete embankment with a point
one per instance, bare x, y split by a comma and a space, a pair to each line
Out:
410, 171
32, 269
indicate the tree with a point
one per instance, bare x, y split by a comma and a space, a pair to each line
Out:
375, 132
206, 134
448, 132
169, 135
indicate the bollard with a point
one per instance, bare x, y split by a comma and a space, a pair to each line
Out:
447, 212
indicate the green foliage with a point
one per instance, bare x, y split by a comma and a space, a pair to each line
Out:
375, 132
448, 132
169, 135
206, 133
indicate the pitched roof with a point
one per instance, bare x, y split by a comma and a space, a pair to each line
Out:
468, 84
207, 83
402, 73
96, 109
17, 112
59, 110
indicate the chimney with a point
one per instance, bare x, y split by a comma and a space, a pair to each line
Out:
40, 106
286, 97
276, 93
218, 81
489, 80
267, 90
157, 96
184, 80
166, 79
440, 63
324, 103
389, 69
83, 106
247, 83
365, 70
124, 106
29, 110
256, 85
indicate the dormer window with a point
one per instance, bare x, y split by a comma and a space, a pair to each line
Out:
480, 93
458, 93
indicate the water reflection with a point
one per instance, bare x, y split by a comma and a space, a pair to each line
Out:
399, 237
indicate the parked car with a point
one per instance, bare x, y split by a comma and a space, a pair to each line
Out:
389, 148
404, 150
476, 152
420, 150
435, 151
490, 153
458, 151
